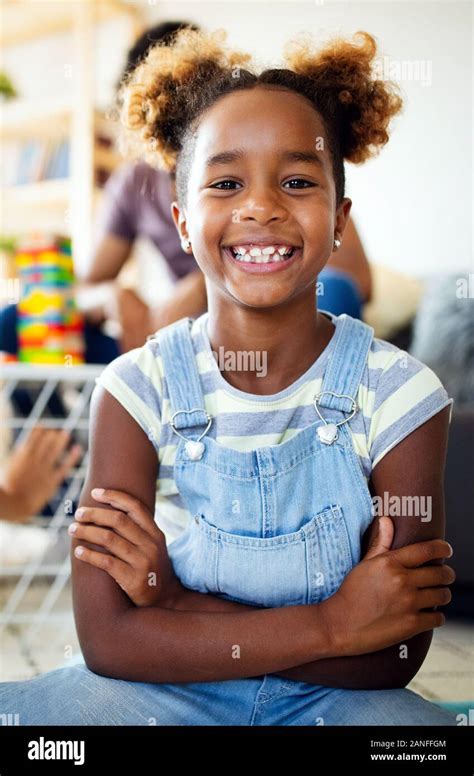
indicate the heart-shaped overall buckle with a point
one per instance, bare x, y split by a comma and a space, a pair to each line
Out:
194, 447
327, 433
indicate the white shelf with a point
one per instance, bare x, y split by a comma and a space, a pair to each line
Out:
65, 203
44, 194
41, 372
26, 20
21, 117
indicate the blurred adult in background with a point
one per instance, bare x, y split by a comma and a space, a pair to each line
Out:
137, 203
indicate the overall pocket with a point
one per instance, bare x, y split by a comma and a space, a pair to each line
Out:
194, 556
301, 567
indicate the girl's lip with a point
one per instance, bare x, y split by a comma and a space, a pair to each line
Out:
253, 267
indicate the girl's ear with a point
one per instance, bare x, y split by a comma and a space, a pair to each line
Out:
179, 218
342, 217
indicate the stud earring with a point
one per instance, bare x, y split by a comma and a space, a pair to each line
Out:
185, 244
337, 243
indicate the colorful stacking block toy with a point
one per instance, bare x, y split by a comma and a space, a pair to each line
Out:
50, 328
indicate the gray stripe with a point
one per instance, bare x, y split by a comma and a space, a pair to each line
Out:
391, 379
420, 413
137, 381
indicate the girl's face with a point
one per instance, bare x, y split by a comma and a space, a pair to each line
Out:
261, 173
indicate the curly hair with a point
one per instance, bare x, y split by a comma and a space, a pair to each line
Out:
163, 98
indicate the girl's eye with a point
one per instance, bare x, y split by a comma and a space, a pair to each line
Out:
228, 185
221, 183
300, 180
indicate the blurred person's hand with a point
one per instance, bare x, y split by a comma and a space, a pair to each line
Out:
133, 316
95, 316
34, 472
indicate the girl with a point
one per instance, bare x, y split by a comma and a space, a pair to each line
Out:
266, 591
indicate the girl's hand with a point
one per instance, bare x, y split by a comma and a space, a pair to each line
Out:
388, 596
135, 548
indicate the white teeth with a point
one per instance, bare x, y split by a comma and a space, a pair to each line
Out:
264, 255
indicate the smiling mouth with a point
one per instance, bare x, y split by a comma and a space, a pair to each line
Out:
268, 254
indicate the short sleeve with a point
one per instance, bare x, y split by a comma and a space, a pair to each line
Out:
408, 393
117, 212
134, 380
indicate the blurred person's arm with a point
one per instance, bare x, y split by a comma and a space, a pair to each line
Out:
351, 258
115, 234
189, 299
109, 258
138, 321
119, 225
34, 471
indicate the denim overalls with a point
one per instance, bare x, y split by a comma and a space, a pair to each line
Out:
278, 525
275, 526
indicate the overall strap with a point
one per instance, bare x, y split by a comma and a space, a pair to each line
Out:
181, 374
352, 342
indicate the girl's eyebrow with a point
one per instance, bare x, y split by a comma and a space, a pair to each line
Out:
226, 157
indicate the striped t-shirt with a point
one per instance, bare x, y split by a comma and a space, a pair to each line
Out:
396, 395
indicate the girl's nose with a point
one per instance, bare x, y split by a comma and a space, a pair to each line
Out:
262, 205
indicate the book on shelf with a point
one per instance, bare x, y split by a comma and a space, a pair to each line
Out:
32, 161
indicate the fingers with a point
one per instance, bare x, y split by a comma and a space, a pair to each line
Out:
48, 443
116, 568
120, 522
58, 442
414, 555
382, 541
115, 544
430, 576
429, 620
73, 456
33, 446
129, 504
434, 596
31, 443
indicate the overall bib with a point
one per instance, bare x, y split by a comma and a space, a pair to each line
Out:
275, 526
279, 525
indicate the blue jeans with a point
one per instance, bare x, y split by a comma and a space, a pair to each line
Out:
339, 293
74, 695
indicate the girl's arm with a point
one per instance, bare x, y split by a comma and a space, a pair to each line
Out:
182, 644
156, 644
413, 468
